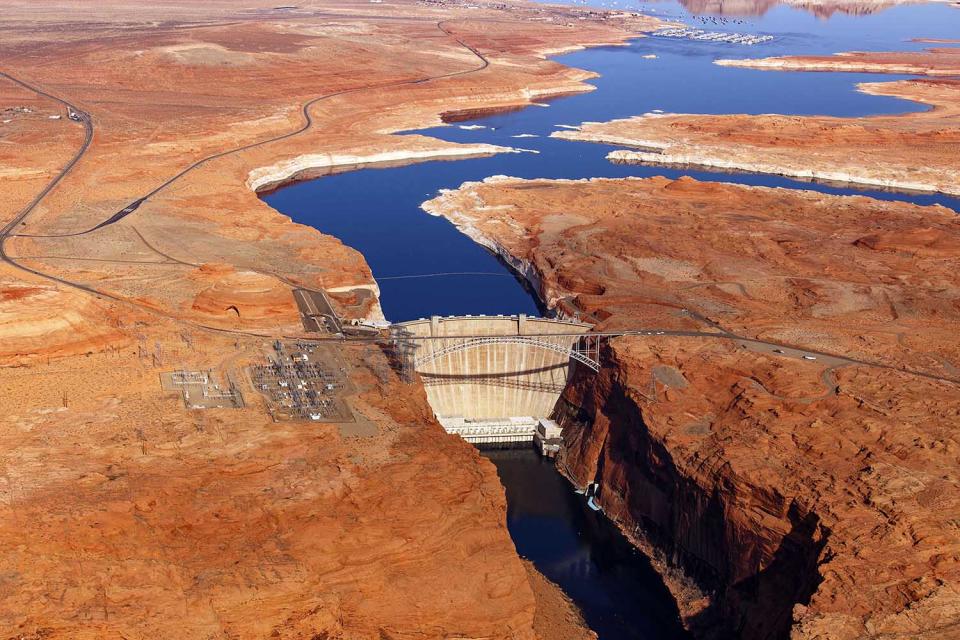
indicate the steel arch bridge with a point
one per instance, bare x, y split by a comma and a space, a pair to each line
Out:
585, 348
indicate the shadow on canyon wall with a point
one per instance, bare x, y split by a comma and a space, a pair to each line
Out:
757, 561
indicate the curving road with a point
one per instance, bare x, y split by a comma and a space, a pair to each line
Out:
7, 230
87, 140
307, 123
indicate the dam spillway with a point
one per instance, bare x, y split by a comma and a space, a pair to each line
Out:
491, 379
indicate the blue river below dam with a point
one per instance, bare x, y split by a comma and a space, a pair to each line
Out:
377, 211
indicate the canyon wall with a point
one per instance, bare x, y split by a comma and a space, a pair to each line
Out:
752, 548
784, 431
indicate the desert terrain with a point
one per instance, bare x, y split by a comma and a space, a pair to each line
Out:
914, 151
797, 389
132, 141
782, 442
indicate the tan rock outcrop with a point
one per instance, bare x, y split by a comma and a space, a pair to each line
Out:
943, 61
235, 297
38, 321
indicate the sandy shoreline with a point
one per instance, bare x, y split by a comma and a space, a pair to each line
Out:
288, 171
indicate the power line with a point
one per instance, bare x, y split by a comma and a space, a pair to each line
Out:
445, 273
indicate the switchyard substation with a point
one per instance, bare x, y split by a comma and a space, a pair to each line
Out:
200, 389
303, 381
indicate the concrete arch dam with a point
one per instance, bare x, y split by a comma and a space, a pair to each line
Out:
490, 379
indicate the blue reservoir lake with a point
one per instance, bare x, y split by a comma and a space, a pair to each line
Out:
377, 211
412, 255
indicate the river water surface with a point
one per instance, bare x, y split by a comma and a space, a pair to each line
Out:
377, 211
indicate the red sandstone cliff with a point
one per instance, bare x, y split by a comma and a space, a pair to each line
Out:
811, 497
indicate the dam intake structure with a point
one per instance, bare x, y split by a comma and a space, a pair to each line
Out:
495, 380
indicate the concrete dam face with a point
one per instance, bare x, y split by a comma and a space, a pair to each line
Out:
482, 372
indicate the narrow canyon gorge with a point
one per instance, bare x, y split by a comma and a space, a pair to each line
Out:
737, 443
